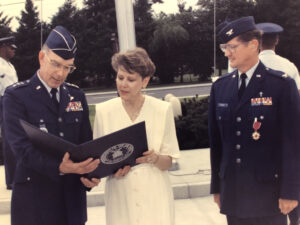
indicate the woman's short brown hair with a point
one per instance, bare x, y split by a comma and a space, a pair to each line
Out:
134, 61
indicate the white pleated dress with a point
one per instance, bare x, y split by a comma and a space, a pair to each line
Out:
144, 196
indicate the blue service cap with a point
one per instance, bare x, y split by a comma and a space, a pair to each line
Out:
269, 28
231, 29
62, 42
8, 41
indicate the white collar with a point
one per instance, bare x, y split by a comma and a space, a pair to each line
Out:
48, 88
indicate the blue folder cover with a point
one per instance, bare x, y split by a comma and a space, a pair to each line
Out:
114, 150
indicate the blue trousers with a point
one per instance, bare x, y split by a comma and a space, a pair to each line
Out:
269, 220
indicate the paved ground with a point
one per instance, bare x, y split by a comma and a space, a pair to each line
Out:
190, 185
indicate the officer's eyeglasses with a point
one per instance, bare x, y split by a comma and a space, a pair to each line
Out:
229, 47
58, 66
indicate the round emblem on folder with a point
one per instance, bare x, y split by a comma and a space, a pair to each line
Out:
117, 153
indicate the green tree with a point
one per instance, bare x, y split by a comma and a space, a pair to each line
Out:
198, 51
167, 47
28, 39
144, 23
65, 16
5, 21
95, 47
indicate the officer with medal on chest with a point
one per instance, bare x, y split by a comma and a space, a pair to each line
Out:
46, 190
8, 76
254, 128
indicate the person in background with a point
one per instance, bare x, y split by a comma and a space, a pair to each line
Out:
267, 55
8, 76
269, 58
48, 190
143, 196
254, 129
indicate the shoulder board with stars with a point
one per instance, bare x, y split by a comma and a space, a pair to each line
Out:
277, 73
19, 84
71, 85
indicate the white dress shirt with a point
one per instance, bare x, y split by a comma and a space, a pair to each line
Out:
270, 59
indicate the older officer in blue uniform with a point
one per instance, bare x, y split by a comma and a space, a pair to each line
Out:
254, 128
47, 190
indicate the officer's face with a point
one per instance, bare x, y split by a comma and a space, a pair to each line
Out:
54, 69
10, 52
130, 85
240, 54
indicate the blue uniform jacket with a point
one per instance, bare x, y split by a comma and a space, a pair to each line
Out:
40, 195
251, 175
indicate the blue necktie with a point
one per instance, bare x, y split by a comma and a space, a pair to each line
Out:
53, 97
243, 85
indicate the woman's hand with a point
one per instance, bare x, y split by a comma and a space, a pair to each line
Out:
148, 157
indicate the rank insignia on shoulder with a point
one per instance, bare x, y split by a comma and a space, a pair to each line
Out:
72, 85
285, 75
74, 107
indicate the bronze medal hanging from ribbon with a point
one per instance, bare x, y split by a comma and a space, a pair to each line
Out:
256, 126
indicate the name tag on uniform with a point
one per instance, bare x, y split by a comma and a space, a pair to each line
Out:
261, 101
74, 107
222, 104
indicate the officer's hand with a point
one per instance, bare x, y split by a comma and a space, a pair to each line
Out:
90, 183
217, 200
68, 166
122, 172
286, 205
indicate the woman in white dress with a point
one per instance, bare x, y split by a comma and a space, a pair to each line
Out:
142, 196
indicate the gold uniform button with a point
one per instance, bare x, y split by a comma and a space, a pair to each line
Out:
238, 119
61, 134
238, 160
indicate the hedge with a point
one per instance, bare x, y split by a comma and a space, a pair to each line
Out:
192, 126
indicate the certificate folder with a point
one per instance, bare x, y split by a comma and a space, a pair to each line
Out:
114, 150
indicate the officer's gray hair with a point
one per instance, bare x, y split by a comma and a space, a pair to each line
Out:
45, 48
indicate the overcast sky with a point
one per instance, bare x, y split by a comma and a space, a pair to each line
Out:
13, 8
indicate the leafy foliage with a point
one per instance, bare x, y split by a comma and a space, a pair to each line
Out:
167, 47
28, 39
5, 29
179, 44
192, 126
